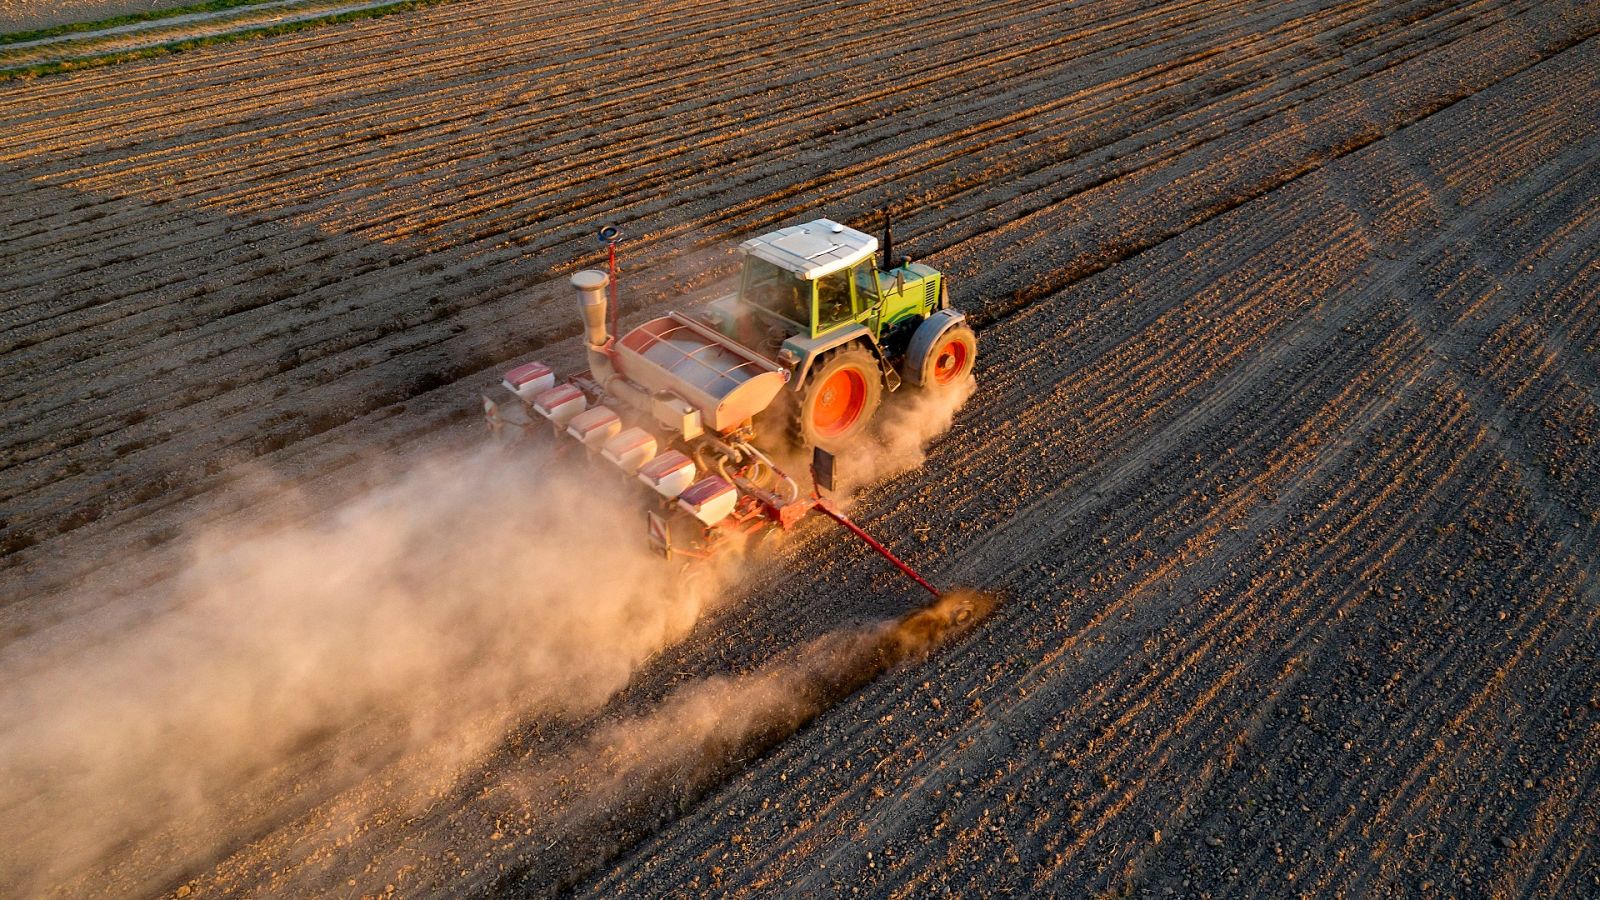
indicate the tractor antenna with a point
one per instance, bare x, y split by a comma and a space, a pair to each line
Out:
888, 242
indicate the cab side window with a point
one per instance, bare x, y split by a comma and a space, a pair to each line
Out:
834, 305
866, 284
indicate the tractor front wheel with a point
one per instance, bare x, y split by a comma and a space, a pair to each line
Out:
841, 393
941, 353
954, 357
949, 359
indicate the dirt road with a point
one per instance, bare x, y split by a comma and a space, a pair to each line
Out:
1283, 457
91, 43
29, 15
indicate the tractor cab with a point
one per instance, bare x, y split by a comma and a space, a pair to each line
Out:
809, 285
803, 278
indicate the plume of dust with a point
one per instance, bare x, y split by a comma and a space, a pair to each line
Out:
635, 774
895, 443
908, 421
706, 726
421, 617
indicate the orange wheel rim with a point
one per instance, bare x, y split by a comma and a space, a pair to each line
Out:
951, 361
839, 403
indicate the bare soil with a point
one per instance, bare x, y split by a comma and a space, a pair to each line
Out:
1283, 459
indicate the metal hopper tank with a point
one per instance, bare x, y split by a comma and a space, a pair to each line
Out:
725, 382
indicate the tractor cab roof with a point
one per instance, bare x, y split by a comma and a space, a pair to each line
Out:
814, 249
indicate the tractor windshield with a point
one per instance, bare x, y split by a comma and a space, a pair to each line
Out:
777, 290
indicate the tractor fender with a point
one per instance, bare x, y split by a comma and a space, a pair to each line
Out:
810, 350
925, 338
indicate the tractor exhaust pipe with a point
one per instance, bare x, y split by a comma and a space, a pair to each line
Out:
888, 244
591, 285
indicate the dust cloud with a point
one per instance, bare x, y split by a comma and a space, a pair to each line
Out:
895, 443
707, 725
898, 439
635, 774
421, 617
393, 643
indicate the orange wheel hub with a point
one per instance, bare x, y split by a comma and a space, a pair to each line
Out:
951, 361
840, 400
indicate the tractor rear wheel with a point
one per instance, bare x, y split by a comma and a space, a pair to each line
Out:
840, 396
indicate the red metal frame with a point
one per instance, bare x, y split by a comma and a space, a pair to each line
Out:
883, 551
611, 247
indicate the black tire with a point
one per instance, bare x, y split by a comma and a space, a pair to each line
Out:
821, 416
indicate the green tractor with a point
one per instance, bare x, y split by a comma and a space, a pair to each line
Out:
816, 299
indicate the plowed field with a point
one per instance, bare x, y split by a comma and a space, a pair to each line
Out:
1283, 458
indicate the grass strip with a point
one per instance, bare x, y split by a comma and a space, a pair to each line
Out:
94, 60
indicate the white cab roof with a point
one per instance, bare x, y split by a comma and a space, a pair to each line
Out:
814, 249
